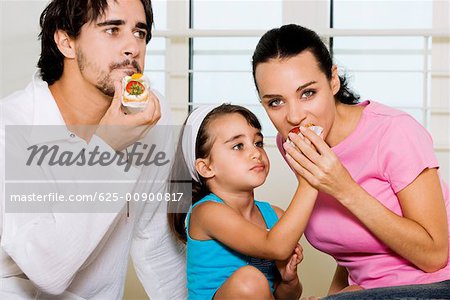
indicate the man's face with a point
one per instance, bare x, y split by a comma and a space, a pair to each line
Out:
113, 46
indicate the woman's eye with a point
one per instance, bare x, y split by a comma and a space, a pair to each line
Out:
308, 94
275, 102
140, 34
239, 146
112, 31
259, 144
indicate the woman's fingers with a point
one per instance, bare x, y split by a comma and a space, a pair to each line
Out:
316, 140
298, 168
302, 144
300, 162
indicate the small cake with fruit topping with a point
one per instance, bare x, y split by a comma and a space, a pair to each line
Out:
135, 91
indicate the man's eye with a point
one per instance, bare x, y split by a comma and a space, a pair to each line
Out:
239, 146
112, 31
259, 144
140, 34
275, 102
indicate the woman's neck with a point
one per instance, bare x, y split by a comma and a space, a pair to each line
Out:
346, 120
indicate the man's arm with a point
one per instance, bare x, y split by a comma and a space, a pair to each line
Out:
159, 259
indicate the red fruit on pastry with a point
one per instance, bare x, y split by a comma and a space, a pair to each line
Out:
295, 130
134, 88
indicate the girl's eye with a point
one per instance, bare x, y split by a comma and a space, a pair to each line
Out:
239, 146
275, 102
112, 30
308, 94
140, 34
259, 144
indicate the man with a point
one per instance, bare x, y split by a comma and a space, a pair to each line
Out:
87, 48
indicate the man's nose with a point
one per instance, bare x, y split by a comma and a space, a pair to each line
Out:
131, 47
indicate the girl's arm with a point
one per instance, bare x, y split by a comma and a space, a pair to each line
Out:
288, 285
288, 290
420, 235
220, 222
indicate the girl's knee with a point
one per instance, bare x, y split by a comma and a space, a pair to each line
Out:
251, 282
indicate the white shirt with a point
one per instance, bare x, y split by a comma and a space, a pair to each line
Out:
45, 255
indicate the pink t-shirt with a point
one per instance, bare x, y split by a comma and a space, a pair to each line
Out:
385, 153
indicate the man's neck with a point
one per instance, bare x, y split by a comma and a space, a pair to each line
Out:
79, 103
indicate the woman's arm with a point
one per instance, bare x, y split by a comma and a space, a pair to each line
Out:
340, 280
420, 235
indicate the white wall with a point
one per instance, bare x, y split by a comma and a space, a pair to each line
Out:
20, 48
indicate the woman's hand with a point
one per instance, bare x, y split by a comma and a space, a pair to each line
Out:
318, 164
351, 288
288, 268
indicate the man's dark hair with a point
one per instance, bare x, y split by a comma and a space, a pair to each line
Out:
70, 16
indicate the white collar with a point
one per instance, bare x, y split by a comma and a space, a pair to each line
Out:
48, 123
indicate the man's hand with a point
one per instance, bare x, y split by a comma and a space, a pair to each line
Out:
120, 130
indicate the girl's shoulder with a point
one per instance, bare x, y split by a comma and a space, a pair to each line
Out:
208, 198
278, 211
205, 213
210, 201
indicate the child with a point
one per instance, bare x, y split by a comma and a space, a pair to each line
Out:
237, 247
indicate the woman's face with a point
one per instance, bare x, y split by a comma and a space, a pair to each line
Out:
294, 92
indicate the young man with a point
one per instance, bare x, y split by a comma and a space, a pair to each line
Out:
87, 48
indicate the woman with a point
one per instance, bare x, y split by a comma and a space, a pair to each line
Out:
382, 210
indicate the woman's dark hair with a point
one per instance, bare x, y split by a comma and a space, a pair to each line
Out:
291, 40
70, 16
180, 178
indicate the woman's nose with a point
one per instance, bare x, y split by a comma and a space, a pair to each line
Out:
295, 113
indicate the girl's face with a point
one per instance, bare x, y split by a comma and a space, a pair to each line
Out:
294, 92
237, 161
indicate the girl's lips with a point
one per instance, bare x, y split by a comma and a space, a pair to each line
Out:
258, 167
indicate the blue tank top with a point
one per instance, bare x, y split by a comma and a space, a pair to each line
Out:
210, 263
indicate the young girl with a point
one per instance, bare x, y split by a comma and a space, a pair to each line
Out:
237, 247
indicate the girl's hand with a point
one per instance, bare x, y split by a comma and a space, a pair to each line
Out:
319, 166
288, 268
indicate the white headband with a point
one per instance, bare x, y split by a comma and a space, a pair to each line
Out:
189, 139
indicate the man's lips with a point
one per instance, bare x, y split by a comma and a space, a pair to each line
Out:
128, 70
